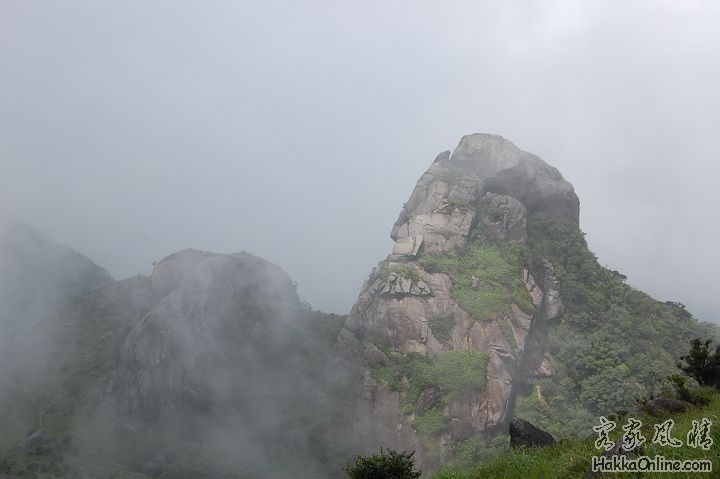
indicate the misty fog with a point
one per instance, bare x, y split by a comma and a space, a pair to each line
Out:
129, 130
194, 197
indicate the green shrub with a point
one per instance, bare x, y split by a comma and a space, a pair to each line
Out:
403, 271
486, 279
437, 264
386, 465
476, 449
699, 396
454, 372
461, 370
386, 374
442, 326
430, 423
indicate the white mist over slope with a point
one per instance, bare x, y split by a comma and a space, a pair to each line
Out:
295, 130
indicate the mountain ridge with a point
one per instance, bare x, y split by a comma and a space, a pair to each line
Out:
487, 252
489, 305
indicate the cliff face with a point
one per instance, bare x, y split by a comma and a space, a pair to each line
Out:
222, 359
454, 320
198, 344
210, 367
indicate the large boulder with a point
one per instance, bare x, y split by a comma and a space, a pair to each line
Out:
525, 434
660, 406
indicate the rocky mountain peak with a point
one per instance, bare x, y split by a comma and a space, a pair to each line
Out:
486, 154
446, 198
206, 306
192, 269
456, 288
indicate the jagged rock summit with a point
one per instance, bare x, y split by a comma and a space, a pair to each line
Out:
487, 167
450, 324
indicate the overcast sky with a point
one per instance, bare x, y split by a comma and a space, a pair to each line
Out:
296, 130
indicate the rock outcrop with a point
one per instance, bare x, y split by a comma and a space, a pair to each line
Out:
660, 406
212, 353
525, 434
454, 282
208, 310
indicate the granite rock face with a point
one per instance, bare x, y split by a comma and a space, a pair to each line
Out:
483, 192
187, 349
483, 164
212, 353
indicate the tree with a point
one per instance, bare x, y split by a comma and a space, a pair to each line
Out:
388, 464
699, 361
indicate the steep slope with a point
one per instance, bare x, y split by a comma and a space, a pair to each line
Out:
614, 344
210, 367
453, 325
37, 276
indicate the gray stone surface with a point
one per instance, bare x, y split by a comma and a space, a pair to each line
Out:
409, 246
482, 164
169, 355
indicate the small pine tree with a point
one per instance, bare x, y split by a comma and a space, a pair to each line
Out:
388, 464
698, 361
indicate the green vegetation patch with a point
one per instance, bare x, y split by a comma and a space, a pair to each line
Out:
386, 374
486, 279
613, 342
442, 326
403, 271
430, 423
388, 464
460, 370
570, 458
474, 450
454, 372
444, 375
438, 264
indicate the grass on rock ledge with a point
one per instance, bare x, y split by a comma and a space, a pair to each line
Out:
486, 279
